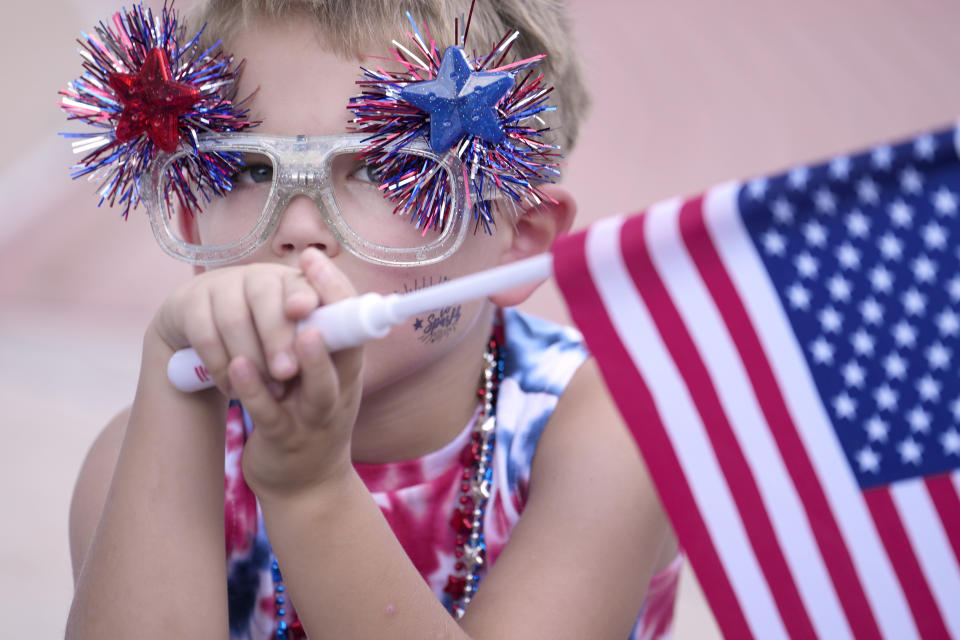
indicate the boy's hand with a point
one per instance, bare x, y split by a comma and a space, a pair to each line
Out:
303, 400
248, 310
302, 436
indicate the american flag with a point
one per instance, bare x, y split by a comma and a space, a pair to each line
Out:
785, 352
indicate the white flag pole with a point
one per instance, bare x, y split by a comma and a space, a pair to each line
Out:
354, 321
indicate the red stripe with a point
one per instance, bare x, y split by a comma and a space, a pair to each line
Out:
830, 541
905, 564
629, 390
944, 495
730, 456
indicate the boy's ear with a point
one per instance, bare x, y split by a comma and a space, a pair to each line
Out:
533, 233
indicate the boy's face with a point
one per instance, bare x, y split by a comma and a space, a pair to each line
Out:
303, 89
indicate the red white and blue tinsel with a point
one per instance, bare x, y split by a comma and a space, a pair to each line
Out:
482, 110
146, 88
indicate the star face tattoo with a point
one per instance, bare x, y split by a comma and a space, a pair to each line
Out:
435, 325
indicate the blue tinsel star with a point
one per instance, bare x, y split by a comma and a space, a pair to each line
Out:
460, 101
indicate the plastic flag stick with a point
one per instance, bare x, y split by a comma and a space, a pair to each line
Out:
354, 321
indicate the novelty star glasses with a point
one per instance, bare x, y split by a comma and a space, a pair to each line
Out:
401, 207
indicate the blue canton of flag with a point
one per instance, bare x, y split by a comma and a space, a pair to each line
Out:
864, 254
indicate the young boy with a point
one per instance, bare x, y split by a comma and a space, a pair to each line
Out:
343, 439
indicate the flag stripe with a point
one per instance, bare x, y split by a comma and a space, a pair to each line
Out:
781, 423
685, 430
630, 318
895, 540
943, 492
816, 463
732, 463
636, 405
728, 376
929, 541
737, 574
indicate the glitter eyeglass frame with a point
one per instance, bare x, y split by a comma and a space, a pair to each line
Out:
302, 166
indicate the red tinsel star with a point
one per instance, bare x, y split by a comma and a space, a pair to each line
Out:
152, 101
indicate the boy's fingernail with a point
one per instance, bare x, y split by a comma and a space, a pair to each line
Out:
283, 363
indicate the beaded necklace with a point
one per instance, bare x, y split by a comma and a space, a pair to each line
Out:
470, 553
467, 521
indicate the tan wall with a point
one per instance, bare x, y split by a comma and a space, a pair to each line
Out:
686, 94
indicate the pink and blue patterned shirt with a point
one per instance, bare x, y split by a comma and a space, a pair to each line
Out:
418, 497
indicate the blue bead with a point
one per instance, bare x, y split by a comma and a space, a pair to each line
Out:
282, 626
281, 600
280, 588
281, 612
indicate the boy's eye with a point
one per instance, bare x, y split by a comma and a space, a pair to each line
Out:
254, 173
366, 173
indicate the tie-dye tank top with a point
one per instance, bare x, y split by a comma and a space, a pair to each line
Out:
418, 497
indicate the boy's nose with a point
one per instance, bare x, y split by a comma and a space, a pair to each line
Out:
301, 226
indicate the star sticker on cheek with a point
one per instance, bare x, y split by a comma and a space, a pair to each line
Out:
152, 101
418, 324
460, 101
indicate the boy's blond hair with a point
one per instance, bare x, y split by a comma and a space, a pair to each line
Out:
353, 26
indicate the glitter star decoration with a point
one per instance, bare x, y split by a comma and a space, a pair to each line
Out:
152, 101
460, 101
147, 87
487, 111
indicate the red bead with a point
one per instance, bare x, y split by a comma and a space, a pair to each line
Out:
455, 586
295, 631
152, 101
470, 454
460, 522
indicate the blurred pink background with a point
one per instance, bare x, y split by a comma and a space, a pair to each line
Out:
686, 94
